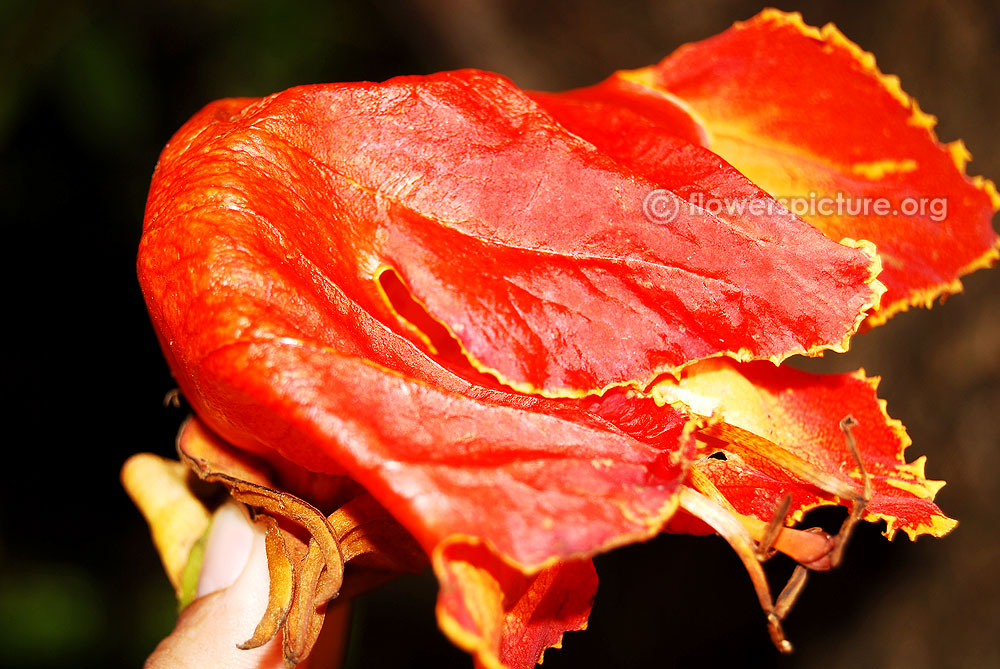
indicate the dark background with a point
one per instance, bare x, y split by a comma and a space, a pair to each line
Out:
89, 94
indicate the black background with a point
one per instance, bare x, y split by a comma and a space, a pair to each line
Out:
89, 94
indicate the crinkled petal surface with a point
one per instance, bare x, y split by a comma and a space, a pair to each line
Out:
530, 244
539, 484
805, 113
790, 411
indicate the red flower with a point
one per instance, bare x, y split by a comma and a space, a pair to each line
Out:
516, 324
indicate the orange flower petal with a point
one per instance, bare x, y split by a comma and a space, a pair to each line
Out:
807, 115
540, 479
505, 618
530, 244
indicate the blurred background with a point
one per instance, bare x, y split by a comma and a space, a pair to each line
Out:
89, 94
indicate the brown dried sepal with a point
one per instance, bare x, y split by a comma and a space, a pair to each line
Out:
281, 568
306, 550
376, 546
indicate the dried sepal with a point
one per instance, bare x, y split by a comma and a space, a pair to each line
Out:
304, 621
371, 538
195, 446
282, 585
305, 560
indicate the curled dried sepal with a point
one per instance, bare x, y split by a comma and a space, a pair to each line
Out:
195, 446
304, 547
370, 537
305, 616
282, 585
